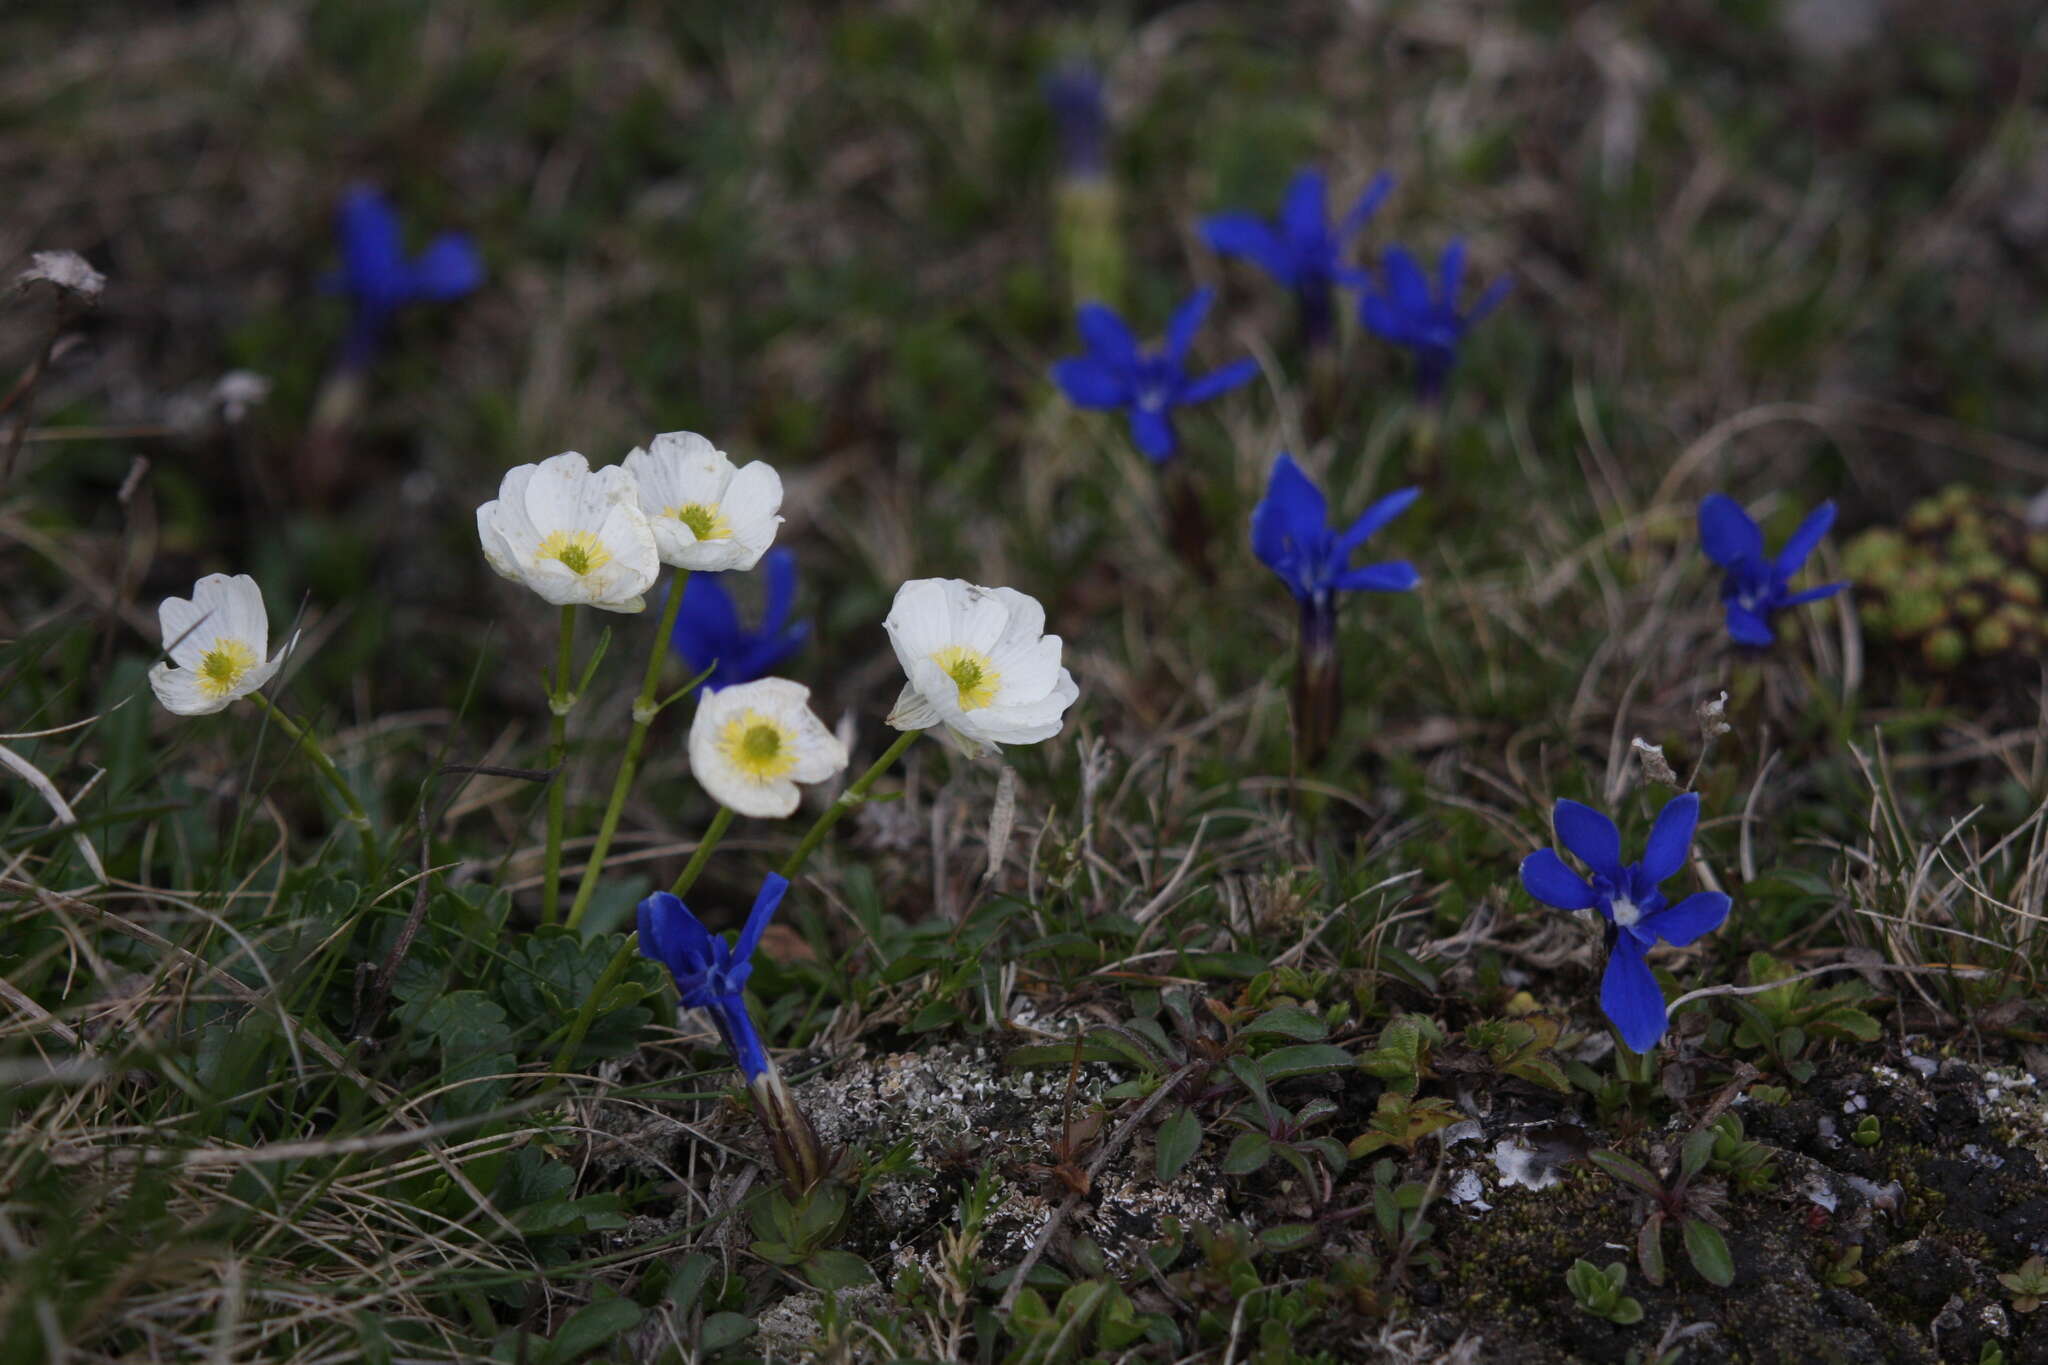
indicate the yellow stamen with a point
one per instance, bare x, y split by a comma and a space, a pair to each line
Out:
705, 523
973, 672
759, 746
224, 665
581, 552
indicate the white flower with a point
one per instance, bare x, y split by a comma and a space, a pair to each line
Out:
574, 537
216, 642
979, 664
705, 514
752, 743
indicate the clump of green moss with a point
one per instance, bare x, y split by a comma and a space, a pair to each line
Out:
1959, 582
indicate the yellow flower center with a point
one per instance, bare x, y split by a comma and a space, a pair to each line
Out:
705, 523
757, 745
973, 672
221, 667
579, 551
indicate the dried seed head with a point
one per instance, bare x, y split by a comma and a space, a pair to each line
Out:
1655, 766
66, 271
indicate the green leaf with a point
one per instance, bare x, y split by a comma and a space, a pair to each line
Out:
686, 1282
1650, 1248
1289, 1021
1627, 1170
1180, 1137
1707, 1249
1059, 1054
1248, 1153
1304, 1059
837, 1270
1698, 1150
1287, 1236
721, 1330
592, 1326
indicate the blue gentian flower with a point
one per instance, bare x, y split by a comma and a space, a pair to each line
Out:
1074, 94
708, 633
711, 976
1401, 308
1754, 587
1147, 385
1299, 249
379, 278
1636, 912
1291, 536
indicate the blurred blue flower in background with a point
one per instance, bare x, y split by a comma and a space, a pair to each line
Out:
1299, 249
379, 278
708, 630
1292, 536
1148, 386
1073, 91
1400, 308
1754, 587
711, 976
1636, 912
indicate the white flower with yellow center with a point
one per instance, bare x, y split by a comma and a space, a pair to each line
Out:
979, 663
751, 744
217, 642
576, 537
705, 513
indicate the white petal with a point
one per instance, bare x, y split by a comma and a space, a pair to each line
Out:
186, 631
552, 498
983, 618
1026, 617
753, 501
913, 710
507, 559
920, 620
179, 690
241, 603
1028, 670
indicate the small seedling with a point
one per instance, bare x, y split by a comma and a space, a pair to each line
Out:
1844, 1271
2028, 1285
1599, 1292
1868, 1131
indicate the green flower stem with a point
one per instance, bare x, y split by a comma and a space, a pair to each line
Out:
311, 748
644, 711
848, 799
560, 702
719, 823
616, 968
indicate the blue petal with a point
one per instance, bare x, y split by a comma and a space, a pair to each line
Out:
1384, 320
1407, 288
1450, 273
1241, 234
1108, 340
449, 268
1630, 996
1746, 627
778, 569
372, 247
1545, 876
1590, 835
1793, 557
1304, 212
707, 624
1152, 433
773, 888
672, 936
741, 1037
1671, 837
1373, 518
1216, 382
1290, 517
1700, 913
1726, 532
1180, 331
1394, 576
1490, 300
1365, 205
1814, 594
1089, 383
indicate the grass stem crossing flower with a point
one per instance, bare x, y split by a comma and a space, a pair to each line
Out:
217, 641
1635, 912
